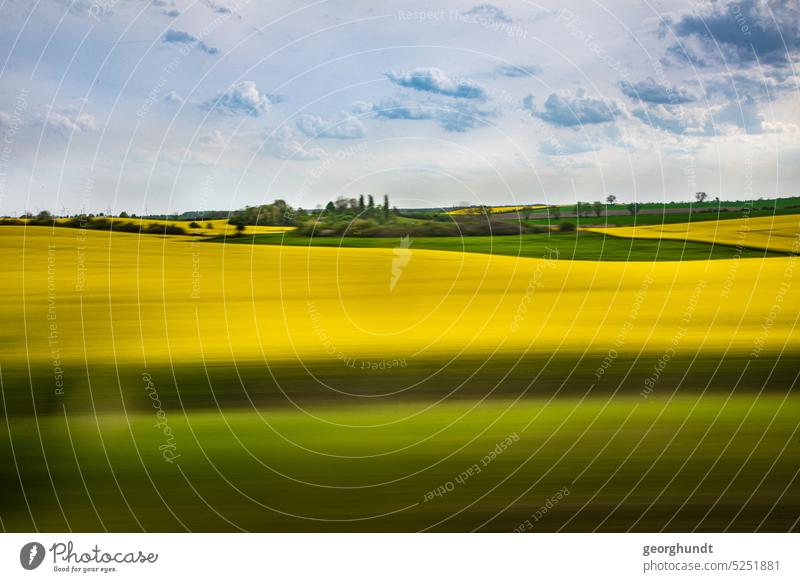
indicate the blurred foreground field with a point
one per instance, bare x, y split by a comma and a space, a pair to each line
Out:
159, 383
710, 463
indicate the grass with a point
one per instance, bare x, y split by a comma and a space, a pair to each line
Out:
710, 462
703, 215
581, 245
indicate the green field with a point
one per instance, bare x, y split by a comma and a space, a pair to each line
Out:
769, 205
694, 448
676, 464
703, 215
579, 245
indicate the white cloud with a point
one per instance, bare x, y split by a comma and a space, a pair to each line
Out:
173, 97
69, 120
242, 98
288, 143
343, 127
433, 80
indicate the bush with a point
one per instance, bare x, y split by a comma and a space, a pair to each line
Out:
566, 227
371, 228
102, 223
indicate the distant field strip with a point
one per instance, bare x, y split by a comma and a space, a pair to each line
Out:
776, 233
497, 209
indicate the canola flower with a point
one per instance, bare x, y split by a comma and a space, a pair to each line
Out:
777, 233
125, 297
498, 209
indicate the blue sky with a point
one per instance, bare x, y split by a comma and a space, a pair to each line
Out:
168, 106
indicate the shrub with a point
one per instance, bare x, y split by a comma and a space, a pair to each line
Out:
566, 227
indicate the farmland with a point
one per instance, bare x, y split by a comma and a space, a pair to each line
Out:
316, 387
583, 245
776, 233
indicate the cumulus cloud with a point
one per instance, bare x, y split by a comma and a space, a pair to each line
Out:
682, 54
488, 11
242, 98
288, 143
508, 70
360, 107
343, 127
651, 91
577, 143
218, 8
740, 31
396, 109
173, 98
766, 84
743, 113
214, 140
171, 13
433, 80
567, 109
462, 117
734, 116
173, 36
68, 120
672, 121
457, 117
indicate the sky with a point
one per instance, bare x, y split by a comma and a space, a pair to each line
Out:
167, 106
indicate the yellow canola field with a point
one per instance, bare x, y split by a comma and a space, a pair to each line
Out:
778, 233
496, 209
220, 226
81, 296
216, 227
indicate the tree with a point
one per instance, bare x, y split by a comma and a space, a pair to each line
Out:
633, 208
361, 205
192, 224
700, 196
210, 225
123, 214
598, 207
386, 207
370, 202
239, 228
330, 208
340, 203
610, 199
